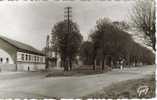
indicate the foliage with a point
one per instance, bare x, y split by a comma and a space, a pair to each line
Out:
109, 39
66, 43
86, 51
143, 18
110, 44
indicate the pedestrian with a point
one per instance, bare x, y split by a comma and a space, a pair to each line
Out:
121, 64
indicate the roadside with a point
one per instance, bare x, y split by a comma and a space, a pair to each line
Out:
80, 71
127, 89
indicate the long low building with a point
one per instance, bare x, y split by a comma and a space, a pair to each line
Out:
17, 56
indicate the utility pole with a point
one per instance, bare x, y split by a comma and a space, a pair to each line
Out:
47, 52
68, 17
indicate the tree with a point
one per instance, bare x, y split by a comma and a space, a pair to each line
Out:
143, 18
86, 52
111, 43
67, 44
109, 39
96, 45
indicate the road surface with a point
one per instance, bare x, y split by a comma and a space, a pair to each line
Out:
36, 85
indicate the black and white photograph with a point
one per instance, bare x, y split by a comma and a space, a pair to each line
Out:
77, 49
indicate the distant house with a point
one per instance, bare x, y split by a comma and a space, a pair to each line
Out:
17, 56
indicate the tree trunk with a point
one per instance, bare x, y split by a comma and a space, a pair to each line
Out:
94, 64
63, 64
154, 42
102, 66
66, 64
109, 61
135, 62
87, 60
46, 63
70, 64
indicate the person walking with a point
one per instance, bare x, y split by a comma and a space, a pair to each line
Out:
121, 64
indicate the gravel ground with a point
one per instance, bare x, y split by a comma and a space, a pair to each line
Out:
36, 85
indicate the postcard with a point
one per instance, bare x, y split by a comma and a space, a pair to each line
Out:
77, 49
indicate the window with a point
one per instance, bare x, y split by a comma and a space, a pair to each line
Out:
22, 56
26, 57
35, 58
41, 59
7, 60
32, 57
29, 57
1, 60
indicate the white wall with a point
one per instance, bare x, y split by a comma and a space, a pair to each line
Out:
7, 67
32, 62
22, 65
4, 55
30, 67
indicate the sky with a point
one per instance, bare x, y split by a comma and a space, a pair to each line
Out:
30, 22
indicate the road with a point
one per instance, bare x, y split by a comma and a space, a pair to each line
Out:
36, 85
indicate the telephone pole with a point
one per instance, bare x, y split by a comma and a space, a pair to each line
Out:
68, 17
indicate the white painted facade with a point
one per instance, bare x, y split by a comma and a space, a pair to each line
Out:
17, 56
6, 62
24, 62
27, 57
5, 58
30, 62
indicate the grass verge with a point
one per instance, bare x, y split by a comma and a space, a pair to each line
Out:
126, 90
83, 70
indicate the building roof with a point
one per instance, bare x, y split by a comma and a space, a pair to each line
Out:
21, 46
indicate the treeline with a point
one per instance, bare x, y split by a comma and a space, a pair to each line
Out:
109, 44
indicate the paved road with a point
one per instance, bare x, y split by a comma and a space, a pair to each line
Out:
35, 85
